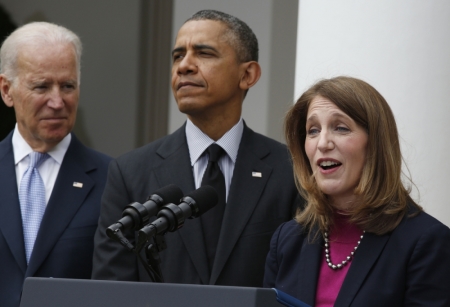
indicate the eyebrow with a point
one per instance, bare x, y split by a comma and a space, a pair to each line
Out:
334, 115
71, 82
43, 81
38, 81
196, 48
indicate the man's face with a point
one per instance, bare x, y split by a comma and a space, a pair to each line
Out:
205, 72
44, 95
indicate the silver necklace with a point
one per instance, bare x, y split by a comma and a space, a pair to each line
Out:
328, 257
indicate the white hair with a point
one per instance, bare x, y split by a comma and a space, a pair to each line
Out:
35, 34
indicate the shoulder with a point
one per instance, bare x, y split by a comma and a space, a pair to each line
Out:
287, 243
6, 144
291, 227
421, 242
421, 229
159, 148
289, 231
421, 222
256, 138
87, 155
99, 156
265, 148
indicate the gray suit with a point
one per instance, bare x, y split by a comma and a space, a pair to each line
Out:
255, 207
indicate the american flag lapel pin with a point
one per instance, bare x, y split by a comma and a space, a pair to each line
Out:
256, 174
78, 185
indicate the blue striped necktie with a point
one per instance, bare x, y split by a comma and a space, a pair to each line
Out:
32, 200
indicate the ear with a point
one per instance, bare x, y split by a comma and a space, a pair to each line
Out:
251, 74
5, 89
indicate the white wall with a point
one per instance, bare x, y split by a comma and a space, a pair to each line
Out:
402, 48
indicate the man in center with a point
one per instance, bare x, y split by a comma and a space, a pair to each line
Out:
215, 63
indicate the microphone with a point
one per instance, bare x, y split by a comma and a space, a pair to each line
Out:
137, 215
171, 217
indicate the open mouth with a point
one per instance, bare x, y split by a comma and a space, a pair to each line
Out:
326, 165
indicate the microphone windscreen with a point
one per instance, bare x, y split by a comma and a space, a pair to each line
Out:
170, 194
205, 197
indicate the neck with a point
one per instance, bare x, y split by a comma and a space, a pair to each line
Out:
37, 145
216, 127
344, 204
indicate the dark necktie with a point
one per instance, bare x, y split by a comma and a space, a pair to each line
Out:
212, 219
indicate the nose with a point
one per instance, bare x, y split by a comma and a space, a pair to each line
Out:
325, 141
187, 65
55, 100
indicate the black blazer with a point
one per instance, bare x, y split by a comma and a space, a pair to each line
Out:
64, 244
408, 267
255, 208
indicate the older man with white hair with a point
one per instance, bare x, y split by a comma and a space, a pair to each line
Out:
50, 183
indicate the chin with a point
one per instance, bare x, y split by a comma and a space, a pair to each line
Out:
330, 190
188, 108
54, 137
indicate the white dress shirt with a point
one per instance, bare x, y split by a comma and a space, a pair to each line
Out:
198, 142
48, 169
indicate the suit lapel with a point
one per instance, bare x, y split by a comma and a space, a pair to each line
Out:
240, 205
309, 268
368, 252
63, 203
11, 218
176, 169
309, 261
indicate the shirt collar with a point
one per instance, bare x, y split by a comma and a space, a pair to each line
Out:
198, 141
22, 149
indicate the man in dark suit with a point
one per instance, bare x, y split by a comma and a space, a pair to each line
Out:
49, 210
214, 65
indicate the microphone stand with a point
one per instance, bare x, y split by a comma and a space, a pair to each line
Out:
152, 265
169, 218
152, 251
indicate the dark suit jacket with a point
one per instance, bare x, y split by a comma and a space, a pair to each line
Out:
408, 267
64, 244
255, 208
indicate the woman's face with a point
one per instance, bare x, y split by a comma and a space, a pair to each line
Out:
336, 148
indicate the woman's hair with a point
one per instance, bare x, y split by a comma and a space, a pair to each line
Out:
382, 197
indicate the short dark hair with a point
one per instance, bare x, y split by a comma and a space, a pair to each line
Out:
242, 38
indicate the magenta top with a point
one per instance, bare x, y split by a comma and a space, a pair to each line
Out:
343, 238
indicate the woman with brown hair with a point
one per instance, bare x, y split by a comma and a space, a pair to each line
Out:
360, 240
